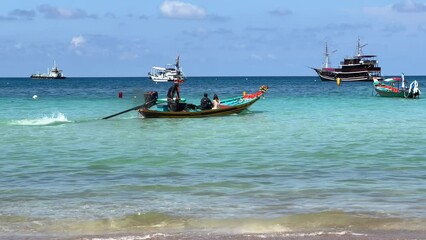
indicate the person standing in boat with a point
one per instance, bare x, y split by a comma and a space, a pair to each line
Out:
216, 102
171, 100
206, 103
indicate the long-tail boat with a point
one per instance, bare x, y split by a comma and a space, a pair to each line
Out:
397, 87
229, 106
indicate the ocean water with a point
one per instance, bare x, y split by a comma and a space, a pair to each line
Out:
310, 158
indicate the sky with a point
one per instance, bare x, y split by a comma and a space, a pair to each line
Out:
109, 38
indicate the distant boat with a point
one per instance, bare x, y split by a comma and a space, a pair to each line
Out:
53, 73
357, 68
169, 73
397, 87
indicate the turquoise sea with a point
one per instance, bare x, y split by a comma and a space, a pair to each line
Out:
311, 158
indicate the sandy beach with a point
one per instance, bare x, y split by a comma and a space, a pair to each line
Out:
394, 235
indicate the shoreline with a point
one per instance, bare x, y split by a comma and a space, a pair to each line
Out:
344, 235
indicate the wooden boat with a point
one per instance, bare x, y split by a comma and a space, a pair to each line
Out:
229, 106
396, 87
357, 68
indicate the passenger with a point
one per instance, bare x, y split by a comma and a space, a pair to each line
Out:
216, 102
206, 103
173, 104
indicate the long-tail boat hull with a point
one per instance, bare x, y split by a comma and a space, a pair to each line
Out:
224, 110
227, 107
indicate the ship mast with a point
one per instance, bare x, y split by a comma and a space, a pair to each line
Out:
359, 48
327, 57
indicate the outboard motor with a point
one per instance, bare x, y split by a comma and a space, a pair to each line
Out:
150, 99
415, 89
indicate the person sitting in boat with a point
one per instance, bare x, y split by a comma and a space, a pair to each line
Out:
206, 103
173, 102
216, 102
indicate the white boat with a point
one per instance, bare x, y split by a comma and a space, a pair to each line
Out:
169, 73
53, 73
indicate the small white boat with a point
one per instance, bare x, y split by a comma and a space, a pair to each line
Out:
169, 73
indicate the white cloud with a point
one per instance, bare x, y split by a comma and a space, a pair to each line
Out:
78, 41
61, 13
18, 45
178, 9
407, 14
19, 14
404, 7
280, 12
408, 6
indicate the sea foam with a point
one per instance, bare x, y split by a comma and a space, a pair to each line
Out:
54, 119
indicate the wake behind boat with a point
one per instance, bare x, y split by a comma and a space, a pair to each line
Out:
169, 73
186, 110
357, 68
53, 73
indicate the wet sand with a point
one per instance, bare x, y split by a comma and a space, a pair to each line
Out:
276, 236
394, 235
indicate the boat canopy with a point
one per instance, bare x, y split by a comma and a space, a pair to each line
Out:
390, 80
170, 66
159, 68
367, 56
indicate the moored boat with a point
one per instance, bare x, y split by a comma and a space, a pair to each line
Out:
169, 73
397, 87
229, 106
357, 68
53, 73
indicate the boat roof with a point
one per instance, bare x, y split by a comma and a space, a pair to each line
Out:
360, 56
366, 56
167, 67
394, 79
159, 68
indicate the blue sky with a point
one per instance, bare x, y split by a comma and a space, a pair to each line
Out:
213, 37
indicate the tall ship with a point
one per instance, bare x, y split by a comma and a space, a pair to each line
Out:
53, 73
357, 68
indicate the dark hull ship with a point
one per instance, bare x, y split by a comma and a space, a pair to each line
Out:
357, 68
